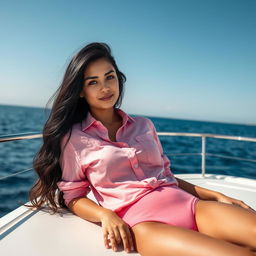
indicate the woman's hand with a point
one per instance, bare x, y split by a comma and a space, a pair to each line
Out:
229, 200
117, 230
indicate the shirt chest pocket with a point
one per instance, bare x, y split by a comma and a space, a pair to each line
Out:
147, 150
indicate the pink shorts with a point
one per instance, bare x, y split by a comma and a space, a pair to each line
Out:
168, 204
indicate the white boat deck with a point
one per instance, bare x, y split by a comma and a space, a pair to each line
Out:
37, 233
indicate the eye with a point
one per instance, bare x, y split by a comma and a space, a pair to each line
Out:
91, 82
107, 77
111, 77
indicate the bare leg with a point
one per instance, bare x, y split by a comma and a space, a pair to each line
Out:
227, 222
159, 239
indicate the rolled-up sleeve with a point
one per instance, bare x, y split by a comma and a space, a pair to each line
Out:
167, 162
74, 182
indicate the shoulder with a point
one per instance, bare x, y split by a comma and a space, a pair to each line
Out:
143, 125
142, 120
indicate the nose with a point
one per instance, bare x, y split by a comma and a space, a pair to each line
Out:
105, 86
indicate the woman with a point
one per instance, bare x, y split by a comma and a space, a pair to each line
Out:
91, 144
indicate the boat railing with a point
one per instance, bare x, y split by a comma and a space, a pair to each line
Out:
203, 153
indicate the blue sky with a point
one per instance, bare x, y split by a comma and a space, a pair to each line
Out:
183, 59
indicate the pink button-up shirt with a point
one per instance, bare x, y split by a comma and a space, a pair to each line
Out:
118, 173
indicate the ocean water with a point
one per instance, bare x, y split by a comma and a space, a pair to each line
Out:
18, 155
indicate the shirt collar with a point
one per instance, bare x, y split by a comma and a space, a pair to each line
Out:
89, 120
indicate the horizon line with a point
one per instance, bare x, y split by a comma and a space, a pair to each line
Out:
164, 117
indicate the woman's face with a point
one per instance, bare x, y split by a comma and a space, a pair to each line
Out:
100, 81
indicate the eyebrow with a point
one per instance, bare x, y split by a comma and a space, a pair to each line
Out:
93, 77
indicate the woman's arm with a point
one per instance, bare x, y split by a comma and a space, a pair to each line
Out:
207, 194
197, 191
113, 226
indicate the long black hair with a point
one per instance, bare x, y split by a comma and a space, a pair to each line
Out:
68, 108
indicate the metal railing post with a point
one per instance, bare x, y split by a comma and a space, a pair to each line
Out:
203, 155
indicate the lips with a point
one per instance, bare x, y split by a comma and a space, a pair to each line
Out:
106, 97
